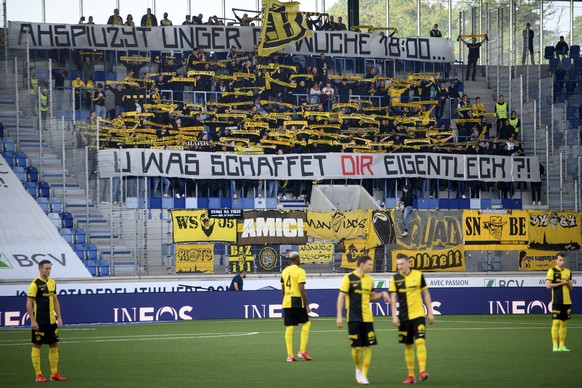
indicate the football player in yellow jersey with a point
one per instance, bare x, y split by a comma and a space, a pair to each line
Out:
356, 292
559, 280
408, 288
44, 309
295, 306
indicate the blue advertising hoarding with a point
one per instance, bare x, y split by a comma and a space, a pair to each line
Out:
152, 307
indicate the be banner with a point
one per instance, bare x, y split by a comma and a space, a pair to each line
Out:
355, 248
446, 260
197, 225
272, 227
496, 227
195, 258
315, 252
552, 230
338, 225
240, 257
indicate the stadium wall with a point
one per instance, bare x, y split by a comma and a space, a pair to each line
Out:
132, 302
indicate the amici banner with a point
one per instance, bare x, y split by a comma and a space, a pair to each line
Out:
127, 308
221, 39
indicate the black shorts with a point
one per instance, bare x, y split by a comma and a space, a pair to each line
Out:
295, 315
46, 334
361, 334
410, 330
563, 312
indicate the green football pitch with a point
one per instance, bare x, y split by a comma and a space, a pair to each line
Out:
463, 351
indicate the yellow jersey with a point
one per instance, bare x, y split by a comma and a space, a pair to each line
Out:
408, 289
358, 291
291, 278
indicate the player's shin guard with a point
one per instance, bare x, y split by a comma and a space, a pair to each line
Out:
409, 358
421, 354
304, 336
54, 359
289, 340
555, 332
366, 360
35, 356
562, 332
357, 356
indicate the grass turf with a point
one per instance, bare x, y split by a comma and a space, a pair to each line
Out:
463, 351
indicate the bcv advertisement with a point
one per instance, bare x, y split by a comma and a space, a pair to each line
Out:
171, 306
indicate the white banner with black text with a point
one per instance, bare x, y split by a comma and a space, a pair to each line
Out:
221, 39
212, 165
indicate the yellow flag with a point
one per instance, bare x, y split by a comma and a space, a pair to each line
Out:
283, 24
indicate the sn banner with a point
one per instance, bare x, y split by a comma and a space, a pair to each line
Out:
194, 258
554, 230
316, 252
338, 225
282, 25
198, 226
240, 257
496, 227
445, 260
355, 248
272, 227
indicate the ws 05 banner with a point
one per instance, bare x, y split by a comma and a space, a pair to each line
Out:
552, 230
222, 38
195, 258
272, 227
197, 225
209, 165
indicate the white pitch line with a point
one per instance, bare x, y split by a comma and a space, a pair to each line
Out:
141, 338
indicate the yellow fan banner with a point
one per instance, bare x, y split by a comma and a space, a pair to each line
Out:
316, 252
445, 260
198, 226
496, 227
338, 225
355, 248
195, 258
283, 24
554, 230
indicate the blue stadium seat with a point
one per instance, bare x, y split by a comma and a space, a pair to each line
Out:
44, 189
8, 144
9, 156
575, 100
91, 252
572, 75
570, 87
44, 205
566, 63
578, 64
31, 188
67, 235
549, 52
32, 174
575, 51
55, 219
104, 268
67, 219
80, 235
571, 113
554, 64
56, 205
79, 250
560, 77
21, 159
91, 266
557, 89
20, 174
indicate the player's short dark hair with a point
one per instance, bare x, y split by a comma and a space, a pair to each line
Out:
401, 256
560, 254
362, 259
43, 262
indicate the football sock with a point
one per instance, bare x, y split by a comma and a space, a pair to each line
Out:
555, 332
304, 336
366, 360
54, 359
356, 355
409, 358
35, 356
421, 354
562, 333
289, 340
